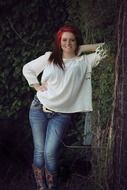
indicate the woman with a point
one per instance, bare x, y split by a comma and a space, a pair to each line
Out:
65, 88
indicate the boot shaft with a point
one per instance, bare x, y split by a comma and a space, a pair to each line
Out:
51, 180
39, 178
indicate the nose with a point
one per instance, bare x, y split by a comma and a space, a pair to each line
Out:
68, 42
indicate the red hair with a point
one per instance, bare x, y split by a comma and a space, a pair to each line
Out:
56, 56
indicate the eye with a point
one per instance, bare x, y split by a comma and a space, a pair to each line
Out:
64, 39
73, 40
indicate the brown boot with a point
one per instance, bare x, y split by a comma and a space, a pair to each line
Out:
40, 178
51, 180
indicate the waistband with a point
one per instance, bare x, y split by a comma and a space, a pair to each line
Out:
45, 109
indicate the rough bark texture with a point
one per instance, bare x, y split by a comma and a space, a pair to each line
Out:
119, 117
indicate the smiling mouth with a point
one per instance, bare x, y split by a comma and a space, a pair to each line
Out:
68, 47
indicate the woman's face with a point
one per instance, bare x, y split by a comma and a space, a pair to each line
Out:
68, 43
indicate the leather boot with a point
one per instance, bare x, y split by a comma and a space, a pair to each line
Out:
51, 180
40, 178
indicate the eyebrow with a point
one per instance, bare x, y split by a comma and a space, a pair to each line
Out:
69, 38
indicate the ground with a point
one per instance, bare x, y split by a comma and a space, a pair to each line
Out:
16, 160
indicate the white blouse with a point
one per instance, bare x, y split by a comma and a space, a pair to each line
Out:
67, 91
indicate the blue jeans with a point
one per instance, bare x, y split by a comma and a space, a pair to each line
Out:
47, 130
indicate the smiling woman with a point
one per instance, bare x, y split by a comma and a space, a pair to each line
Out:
65, 89
66, 34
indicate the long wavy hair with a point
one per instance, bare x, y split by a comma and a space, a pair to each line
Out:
56, 55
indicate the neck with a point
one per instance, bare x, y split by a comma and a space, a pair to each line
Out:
68, 55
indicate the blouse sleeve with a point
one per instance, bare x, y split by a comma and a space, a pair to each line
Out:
32, 69
93, 59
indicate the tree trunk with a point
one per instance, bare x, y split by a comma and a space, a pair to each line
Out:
119, 117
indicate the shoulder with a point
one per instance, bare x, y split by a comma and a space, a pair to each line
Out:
44, 57
89, 57
83, 59
92, 59
47, 54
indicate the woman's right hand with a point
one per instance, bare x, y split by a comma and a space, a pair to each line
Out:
42, 87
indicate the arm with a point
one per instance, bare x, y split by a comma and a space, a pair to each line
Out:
38, 87
32, 69
88, 48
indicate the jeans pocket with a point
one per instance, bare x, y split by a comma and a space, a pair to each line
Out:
36, 103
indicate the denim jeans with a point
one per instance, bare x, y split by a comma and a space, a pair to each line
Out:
48, 129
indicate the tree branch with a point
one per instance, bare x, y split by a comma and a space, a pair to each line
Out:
19, 36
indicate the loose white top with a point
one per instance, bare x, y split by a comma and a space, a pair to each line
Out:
67, 91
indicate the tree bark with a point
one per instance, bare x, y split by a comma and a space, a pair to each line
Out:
119, 116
